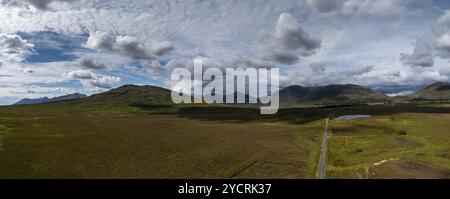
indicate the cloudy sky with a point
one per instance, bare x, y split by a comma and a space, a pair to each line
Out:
56, 47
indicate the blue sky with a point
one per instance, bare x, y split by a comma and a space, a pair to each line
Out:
61, 47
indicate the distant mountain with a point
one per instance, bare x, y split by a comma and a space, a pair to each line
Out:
348, 93
73, 96
133, 94
153, 95
438, 90
32, 101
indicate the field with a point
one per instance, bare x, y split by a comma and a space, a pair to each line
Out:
70, 140
406, 145
154, 147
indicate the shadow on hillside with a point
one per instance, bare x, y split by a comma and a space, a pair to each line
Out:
298, 115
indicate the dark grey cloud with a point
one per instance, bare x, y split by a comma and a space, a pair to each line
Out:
38, 4
325, 6
42, 4
13, 42
163, 48
127, 46
290, 36
318, 67
362, 70
131, 47
90, 63
422, 55
290, 41
282, 56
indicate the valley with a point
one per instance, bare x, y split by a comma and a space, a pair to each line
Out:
135, 132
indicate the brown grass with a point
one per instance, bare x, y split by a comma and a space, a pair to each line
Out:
156, 147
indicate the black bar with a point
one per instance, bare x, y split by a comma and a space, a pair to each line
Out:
171, 188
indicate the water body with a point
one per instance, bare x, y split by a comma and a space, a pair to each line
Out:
352, 117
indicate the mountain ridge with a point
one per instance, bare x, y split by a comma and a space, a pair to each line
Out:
437, 90
43, 100
330, 94
292, 94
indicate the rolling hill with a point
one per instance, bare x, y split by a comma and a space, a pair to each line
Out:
348, 93
154, 95
438, 90
133, 94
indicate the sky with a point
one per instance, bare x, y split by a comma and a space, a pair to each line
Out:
57, 47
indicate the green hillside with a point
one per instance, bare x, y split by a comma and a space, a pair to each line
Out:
438, 90
348, 93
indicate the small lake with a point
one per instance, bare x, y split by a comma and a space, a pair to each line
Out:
352, 117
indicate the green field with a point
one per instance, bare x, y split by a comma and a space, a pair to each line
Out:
154, 146
406, 145
75, 140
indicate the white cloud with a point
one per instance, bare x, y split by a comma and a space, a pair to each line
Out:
89, 62
435, 44
443, 42
80, 74
14, 48
89, 79
23, 74
401, 93
100, 40
102, 82
19, 80
33, 91
127, 46
127, 33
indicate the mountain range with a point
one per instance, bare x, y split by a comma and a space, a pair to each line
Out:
347, 93
294, 94
43, 100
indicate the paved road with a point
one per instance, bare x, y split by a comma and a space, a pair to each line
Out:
323, 156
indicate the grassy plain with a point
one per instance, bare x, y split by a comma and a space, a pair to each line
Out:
404, 145
77, 144
116, 140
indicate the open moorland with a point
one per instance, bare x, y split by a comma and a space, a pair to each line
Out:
99, 144
79, 140
404, 145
